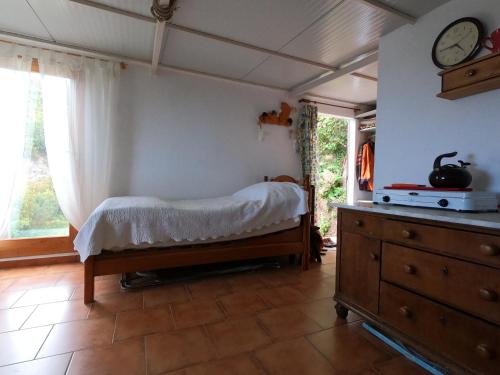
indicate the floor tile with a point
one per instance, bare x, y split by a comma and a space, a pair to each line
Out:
277, 278
293, 357
77, 335
4, 284
13, 319
209, 288
245, 282
342, 346
238, 365
287, 322
16, 272
323, 312
55, 365
158, 296
34, 282
197, 312
142, 322
397, 366
44, 295
237, 336
192, 346
7, 299
102, 287
64, 267
71, 278
109, 304
57, 312
317, 290
19, 346
282, 295
244, 303
125, 357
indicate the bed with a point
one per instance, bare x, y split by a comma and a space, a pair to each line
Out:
101, 257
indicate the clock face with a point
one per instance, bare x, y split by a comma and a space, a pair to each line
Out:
459, 42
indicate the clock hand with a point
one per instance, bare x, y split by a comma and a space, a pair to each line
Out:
456, 44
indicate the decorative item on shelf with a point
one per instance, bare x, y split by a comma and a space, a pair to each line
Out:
367, 125
459, 42
494, 39
281, 119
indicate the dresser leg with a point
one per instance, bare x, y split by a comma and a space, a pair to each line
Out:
341, 311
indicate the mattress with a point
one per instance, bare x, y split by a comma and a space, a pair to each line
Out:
284, 225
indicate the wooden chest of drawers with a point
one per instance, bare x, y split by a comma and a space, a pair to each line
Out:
434, 285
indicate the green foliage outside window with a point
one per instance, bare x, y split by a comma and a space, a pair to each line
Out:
36, 212
332, 149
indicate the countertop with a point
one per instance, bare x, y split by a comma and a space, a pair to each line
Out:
485, 220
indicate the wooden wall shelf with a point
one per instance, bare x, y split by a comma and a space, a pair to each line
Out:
471, 78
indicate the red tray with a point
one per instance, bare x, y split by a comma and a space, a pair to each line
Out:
426, 188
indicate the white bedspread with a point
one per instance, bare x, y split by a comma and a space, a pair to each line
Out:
121, 221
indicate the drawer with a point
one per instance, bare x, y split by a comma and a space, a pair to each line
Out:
427, 236
468, 75
478, 247
468, 286
483, 248
359, 222
467, 341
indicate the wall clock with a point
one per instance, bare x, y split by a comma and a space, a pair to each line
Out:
460, 41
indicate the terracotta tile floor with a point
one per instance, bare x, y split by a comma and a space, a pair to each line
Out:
264, 322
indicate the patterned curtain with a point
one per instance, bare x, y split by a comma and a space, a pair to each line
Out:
306, 131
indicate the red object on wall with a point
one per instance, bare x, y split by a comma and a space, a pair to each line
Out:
494, 39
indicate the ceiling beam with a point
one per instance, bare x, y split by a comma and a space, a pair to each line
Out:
329, 98
203, 34
377, 4
343, 69
364, 76
108, 8
10, 37
157, 45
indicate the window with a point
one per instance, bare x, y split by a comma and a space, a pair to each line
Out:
35, 211
32, 222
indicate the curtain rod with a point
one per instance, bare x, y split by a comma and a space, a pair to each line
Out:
328, 104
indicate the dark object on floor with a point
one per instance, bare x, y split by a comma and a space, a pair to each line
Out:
176, 275
316, 244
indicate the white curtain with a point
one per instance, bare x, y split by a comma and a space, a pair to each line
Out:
79, 109
14, 92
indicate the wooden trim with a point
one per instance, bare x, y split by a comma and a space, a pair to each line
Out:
43, 261
27, 247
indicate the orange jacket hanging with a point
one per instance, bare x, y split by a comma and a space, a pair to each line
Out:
367, 164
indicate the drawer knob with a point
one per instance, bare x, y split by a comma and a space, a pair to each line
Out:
488, 295
445, 270
408, 234
409, 269
373, 256
358, 223
405, 311
484, 351
470, 73
489, 250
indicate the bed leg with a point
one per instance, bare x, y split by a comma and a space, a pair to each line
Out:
88, 288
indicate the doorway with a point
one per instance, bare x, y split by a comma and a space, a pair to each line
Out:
333, 182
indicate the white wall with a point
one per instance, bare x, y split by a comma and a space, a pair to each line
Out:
184, 136
413, 126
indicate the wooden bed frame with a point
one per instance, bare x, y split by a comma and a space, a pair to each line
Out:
286, 242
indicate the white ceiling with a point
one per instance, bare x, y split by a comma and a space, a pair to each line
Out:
326, 31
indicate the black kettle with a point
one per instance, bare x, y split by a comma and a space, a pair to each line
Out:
450, 175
